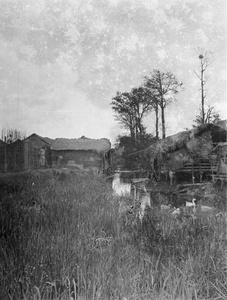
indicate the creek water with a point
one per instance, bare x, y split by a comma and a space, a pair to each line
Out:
124, 187
121, 187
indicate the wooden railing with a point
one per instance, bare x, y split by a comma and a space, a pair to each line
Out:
221, 177
203, 166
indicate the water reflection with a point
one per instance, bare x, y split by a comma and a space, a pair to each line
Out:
140, 196
120, 187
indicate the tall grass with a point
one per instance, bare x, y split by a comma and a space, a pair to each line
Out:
64, 237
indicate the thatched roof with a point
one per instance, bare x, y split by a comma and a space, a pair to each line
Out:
222, 124
197, 141
44, 139
82, 143
48, 140
176, 160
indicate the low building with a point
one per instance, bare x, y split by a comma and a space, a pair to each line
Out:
31, 147
83, 153
24, 154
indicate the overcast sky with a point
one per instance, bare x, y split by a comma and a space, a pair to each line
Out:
62, 61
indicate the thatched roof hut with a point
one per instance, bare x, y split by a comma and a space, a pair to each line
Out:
222, 124
84, 153
186, 146
31, 147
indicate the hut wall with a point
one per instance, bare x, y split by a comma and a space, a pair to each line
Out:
32, 145
108, 158
2, 156
14, 156
83, 158
26, 154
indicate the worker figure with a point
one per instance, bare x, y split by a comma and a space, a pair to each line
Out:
152, 173
42, 159
171, 177
59, 161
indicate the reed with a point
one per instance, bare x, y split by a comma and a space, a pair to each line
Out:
64, 237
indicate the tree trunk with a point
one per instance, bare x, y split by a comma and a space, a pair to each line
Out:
156, 123
202, 93
133, 134
163, 122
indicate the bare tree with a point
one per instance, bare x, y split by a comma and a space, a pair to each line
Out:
205, 62
154, 102
164, 87
11, 135
210, 116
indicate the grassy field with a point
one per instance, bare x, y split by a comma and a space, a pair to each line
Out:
67, 237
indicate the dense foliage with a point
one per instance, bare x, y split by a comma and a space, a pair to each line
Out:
132, 155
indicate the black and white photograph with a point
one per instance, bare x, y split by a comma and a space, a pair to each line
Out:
113, 149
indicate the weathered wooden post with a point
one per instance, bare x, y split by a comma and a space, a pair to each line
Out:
193, 178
